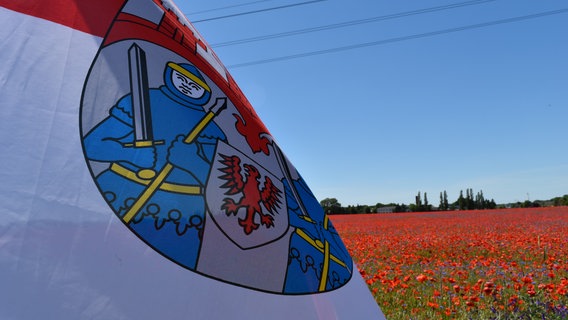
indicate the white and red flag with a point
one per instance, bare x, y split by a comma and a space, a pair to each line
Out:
139, 183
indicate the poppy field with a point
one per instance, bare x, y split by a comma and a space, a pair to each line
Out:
483, 264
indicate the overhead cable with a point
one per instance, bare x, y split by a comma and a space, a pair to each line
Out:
351, 23
257, 11
227, 7
400, 39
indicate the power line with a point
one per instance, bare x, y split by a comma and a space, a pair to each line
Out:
399, 39
351, 23
257, 11
227, 7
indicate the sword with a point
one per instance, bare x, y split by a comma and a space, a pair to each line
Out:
220, 105
140, 93
288, 176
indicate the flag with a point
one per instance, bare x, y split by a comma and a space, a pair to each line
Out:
139, 183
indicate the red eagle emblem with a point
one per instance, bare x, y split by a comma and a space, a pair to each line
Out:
252, 195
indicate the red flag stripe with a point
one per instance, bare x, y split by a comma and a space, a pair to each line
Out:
89, 16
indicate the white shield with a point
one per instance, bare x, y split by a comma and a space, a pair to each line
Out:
245, 200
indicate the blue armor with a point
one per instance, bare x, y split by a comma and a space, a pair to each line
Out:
317, 260
172, 219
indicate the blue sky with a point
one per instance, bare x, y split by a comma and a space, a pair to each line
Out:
483, 108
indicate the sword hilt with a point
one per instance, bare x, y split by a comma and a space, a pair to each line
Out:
143, 143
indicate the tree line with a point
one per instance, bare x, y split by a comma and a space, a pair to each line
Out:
469, 202
421, 204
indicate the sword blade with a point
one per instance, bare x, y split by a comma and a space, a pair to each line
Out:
140, 95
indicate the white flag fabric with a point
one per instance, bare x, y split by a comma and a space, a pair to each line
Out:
138, 182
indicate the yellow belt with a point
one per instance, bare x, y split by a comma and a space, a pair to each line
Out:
165, 186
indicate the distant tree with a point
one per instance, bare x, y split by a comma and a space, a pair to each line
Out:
461, 201
470, 204
426, 205
444, 205
489, 204
401, 208
479, 201
331, 205
361, 209
560, 201
527, 204
418, 205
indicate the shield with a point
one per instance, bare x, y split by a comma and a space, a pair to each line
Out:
245, 200
194, 173
135, 117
